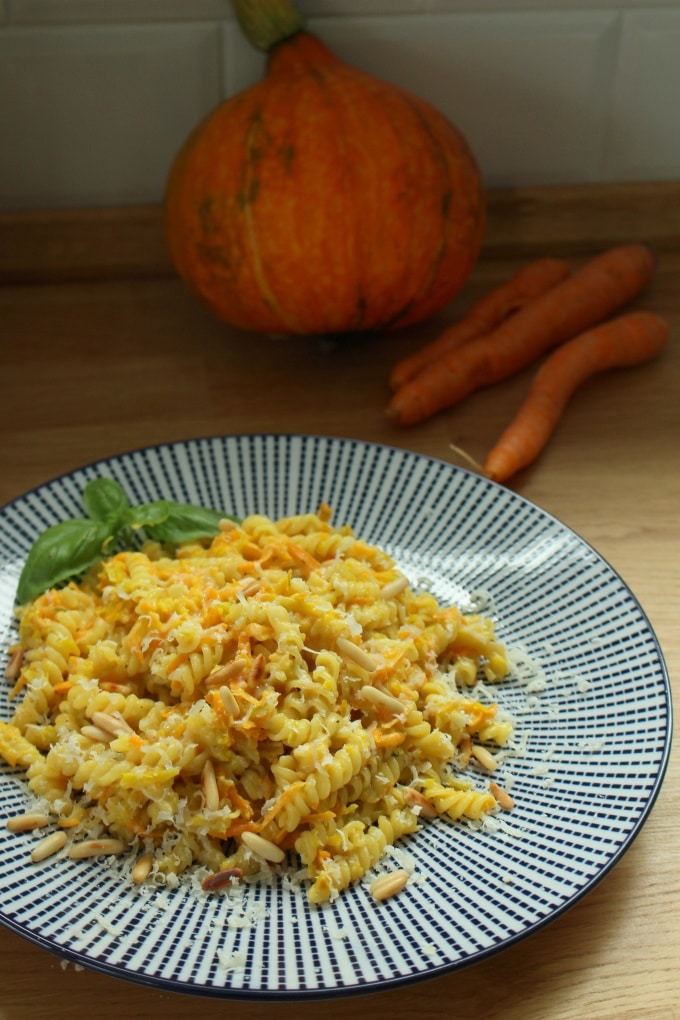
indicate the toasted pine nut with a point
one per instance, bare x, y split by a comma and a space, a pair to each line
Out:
416, 799
502, 796
25, 823
229, 701
142, 868
381, 699
257, 668
250, 587
388, 885
395, 587
484, 757
48, 846
209, 786
220, 878
116, 688
464, 750
229, 669
111, 723
356, 654
95, 848
96, 734
13, 667
262, 847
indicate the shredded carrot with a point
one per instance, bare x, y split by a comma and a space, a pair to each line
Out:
383, 739
230, 793
234, 829
179, 660
478, 714
179, 728
239, 692
63, 688
485, 315
281, 802
596, 291
320, 816
628, 340
390, 662
304, 559
215, 701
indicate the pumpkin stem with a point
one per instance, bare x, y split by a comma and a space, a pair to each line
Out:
267, 22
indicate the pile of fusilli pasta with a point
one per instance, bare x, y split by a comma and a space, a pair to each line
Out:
282, 680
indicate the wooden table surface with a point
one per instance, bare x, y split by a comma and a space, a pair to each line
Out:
103, 351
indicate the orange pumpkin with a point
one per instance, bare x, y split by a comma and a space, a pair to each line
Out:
322, 199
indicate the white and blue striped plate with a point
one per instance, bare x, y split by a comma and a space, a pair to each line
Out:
591, 703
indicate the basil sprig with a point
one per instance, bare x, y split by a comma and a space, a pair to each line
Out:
70, 547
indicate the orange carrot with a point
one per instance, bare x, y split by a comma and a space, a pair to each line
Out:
592, 294
485, 315
629, 340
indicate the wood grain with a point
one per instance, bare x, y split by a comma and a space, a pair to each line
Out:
102, 350
128, 242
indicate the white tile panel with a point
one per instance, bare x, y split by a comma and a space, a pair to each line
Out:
529, 91
538, 5
333, 8
94, 105
100, 11
242, 64
643, 141
97, 11
93, 116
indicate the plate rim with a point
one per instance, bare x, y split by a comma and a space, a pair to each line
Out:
321, 992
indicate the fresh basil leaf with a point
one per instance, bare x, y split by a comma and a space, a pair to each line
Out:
105, 500
63, 550
184, 523
147, 514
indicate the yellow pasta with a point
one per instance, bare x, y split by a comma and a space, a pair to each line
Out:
282, 679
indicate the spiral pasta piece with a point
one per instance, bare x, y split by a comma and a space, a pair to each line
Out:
366, 847
279, 689
458, 803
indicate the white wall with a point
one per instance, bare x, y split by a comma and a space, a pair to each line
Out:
97, 95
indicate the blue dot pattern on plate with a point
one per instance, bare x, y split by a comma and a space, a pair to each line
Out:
590, 698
